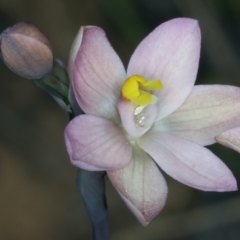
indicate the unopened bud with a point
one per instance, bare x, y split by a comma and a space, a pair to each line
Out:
26, 51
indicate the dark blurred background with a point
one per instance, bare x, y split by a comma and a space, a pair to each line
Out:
38, 194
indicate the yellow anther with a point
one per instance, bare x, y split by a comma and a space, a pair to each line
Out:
131, 90
154, 85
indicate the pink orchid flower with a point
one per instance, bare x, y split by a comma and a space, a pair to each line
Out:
151, 114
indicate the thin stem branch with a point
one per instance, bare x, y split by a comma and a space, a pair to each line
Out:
92, 188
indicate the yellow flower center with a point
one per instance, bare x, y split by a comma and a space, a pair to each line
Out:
136, 89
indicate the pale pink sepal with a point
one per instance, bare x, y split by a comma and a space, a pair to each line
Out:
208, 111
96, 73
230, 139
95, 143
129, 119
86, 166
141, 185
171, 54
74, 50
187, 162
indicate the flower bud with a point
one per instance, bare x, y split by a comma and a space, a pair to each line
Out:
26, 51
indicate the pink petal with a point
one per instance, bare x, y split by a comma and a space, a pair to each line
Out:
230, 139
171, 54
129, 120
86, 166
94, 143
208, 111
96, 72
187, 162
141, 185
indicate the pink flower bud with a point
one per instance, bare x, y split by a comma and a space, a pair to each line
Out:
26, 51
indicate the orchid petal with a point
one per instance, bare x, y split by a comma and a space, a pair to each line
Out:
230, 139
208, 111
136, 124
94, 143
96, 72
86, 166
187, 162
171, 54
141, 185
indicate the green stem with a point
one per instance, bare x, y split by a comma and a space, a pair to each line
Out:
92, 188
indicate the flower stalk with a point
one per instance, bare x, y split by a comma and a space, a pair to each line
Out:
92, 188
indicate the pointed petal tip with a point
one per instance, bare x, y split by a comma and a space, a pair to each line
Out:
138, 214
185, 21
230, 187
227, 183
187, 24
231, 183
74, 50
189, 163
96, 73
143, 218
142, 186
75, 47
170, 53
233, 187
230, 139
